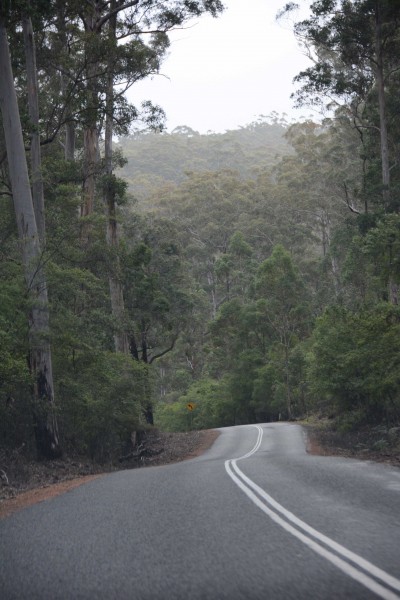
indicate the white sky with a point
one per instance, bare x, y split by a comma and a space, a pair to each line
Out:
223, 73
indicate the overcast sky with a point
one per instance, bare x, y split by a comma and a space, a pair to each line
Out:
223, 73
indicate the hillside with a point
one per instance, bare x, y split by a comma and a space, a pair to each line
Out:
156, 159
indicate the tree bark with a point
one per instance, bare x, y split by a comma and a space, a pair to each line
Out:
46, 431
69, 150
211, 284
90, 130
116, 291
64, 49
90, 144
287, 381
380, 82
33, 107
93, 21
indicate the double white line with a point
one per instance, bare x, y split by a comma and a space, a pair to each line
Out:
366, 573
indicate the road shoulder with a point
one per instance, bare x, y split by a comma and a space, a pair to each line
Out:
174, 447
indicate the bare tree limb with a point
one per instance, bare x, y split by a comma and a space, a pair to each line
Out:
111, 13
349, 205
171, 347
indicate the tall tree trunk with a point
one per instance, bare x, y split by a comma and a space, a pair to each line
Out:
211, 284
33, 107
90, 145
147, 406
90, 166
393, 287
380, 82
69, 150
116, 291
287, 382
90, 131
94, 18
46, 432
64, 50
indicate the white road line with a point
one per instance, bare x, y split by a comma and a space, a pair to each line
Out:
348, 554
265, 502
256, 446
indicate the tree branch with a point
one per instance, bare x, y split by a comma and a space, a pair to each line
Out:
171, 347
113, 12
353, 210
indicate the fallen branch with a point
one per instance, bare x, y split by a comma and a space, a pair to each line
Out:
137, 454
3, 475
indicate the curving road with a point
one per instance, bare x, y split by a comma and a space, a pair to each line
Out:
255, 517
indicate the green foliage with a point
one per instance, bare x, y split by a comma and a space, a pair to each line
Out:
212, 407
116, 187
382, 245
256, 343
80, 315
100, 394
354, 362
278, 376
355, 67
15, 380
241, 383
158, 296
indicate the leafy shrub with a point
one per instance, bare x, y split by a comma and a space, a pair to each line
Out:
212, 407
101, 396
355, 361
15, 380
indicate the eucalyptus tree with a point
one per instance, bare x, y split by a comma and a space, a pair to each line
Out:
91, 54
354, 46
33, 104
109, 191
235, 268
353, 364
135, 59
40, 358
123, 42
208, 207
158, 292
283, 301
319, 188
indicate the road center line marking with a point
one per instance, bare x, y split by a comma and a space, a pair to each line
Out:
266, 503
348, 554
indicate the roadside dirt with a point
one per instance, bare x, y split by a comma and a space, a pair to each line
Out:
24, 482
377, 444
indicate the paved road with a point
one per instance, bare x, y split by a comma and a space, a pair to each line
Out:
254, 518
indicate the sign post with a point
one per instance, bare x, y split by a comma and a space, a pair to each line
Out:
191, 406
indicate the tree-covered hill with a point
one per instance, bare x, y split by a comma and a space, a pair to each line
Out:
154, 159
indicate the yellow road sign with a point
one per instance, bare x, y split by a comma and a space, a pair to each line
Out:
190, 406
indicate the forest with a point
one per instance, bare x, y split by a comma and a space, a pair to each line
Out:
193, 281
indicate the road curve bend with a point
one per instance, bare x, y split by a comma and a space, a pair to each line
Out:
255, 517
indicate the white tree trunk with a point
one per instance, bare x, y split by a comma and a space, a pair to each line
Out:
116, 291
380, 83
33, 107
64, 50
40, 355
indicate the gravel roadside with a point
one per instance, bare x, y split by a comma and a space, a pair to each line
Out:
25, 482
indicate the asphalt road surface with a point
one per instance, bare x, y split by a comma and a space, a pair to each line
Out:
255, 517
